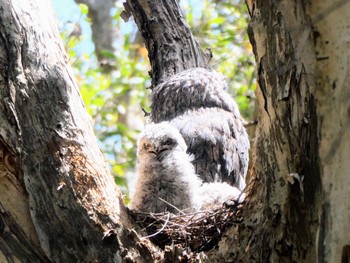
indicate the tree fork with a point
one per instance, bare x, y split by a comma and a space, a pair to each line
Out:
285, 175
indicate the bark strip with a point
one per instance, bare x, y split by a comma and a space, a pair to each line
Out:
57, 166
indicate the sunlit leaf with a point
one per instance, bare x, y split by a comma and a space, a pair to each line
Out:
84, 9
115, 100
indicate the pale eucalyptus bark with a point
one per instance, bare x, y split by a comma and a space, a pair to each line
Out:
301, 49
58, 199
281, 217
331, 26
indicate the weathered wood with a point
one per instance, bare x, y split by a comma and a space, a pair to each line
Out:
58, 200
168, 38
56, 171
331, 29
281, 217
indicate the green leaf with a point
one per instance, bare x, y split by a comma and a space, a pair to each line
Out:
84, 9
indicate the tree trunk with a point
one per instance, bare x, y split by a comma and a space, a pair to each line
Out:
58, 201
330, 20
298, 208
168, 38
281, 217
102, 31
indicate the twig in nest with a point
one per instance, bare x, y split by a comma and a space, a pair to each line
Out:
160, 230
199, 231
161, 199
146, 114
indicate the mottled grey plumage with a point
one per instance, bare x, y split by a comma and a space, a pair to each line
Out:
196, 102
164, 171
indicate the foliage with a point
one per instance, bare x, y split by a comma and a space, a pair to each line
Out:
115, 100
221, 26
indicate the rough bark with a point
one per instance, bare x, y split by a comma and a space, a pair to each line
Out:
281, 217
303, 69
168, 38
57, 199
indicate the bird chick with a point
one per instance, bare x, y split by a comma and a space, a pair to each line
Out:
166, 179
196, 102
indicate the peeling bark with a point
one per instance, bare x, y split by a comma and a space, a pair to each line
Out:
59, 203
58, 199
281, 217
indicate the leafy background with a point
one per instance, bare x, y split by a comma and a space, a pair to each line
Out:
115, 99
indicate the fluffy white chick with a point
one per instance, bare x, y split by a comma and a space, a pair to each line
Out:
166, 179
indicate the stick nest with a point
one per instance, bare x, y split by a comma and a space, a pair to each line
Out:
199, 231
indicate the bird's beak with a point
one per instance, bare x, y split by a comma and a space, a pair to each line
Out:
161, 149
157, 151
153, 151
150, 149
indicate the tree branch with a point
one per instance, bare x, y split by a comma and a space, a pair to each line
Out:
102, 31
168, 38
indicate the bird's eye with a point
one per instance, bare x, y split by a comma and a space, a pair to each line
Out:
169, 141
146, 146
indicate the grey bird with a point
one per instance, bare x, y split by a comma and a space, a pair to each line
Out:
196, 102
166, 180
